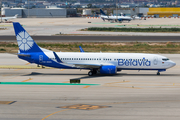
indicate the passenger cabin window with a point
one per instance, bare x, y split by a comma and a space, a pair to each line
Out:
165, 59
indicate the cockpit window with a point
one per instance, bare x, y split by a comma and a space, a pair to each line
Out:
165, 59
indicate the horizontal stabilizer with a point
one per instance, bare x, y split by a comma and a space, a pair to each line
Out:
24, 55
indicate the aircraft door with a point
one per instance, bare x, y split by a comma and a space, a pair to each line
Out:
155, 61
40, 58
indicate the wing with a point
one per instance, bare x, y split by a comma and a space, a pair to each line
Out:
87, 65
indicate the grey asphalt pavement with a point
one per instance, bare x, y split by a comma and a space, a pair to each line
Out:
129, 95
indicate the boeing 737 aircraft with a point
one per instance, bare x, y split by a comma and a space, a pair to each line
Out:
8, 18
119, 18
103, 63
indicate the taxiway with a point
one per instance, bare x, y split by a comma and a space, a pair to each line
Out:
129, 95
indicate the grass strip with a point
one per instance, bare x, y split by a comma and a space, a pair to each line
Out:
131, 47
150, 29
39, 83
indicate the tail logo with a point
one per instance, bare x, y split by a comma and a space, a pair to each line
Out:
25, 42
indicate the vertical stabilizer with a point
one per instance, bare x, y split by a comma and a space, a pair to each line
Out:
25, 42
102, 12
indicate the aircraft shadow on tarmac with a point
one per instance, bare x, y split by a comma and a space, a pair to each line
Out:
97, 75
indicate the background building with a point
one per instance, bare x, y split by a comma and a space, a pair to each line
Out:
126, 11
39, 12
164, 12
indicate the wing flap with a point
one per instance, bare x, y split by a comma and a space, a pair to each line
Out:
87, 65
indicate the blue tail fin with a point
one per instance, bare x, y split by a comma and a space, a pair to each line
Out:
102, 13
80, 48
25, 42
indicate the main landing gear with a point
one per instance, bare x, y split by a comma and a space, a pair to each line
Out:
92, 72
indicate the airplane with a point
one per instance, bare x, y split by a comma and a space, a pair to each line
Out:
114, 18
103, 63
8, 18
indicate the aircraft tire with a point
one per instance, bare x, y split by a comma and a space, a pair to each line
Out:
90, 73
158, 73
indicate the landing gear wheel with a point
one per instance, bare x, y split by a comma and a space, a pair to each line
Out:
158, 73
90, 73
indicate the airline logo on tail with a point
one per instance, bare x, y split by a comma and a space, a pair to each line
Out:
25, 42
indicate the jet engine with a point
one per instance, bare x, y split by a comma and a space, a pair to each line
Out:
109, 69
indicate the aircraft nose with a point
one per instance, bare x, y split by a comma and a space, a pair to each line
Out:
173, 64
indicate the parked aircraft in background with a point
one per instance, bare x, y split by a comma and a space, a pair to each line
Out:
135, 17
9, 18
103, 63
114, 18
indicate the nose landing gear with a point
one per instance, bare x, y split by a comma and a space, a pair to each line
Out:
158, 73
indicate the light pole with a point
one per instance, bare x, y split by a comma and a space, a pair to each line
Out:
1, 11
28, 8
116, 11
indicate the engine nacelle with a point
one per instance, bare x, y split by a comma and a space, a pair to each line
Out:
109, 69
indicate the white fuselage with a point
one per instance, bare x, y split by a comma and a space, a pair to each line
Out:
120, 60
116, 17
8, 18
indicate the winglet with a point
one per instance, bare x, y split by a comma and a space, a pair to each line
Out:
80, 48
57, 58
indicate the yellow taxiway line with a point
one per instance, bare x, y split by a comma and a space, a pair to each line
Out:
27, 80
62, 69
54, 113
86, 86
